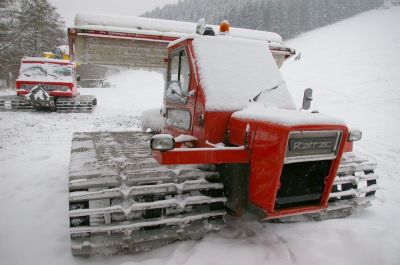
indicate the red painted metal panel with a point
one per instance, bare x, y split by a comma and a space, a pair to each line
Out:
72, 88
348, 147
268, 145
201, 156
268, 154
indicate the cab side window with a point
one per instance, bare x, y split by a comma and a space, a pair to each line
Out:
179, 70
179, 118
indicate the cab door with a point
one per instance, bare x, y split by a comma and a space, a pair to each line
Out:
179, 94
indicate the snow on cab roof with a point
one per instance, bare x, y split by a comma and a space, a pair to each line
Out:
234, 70
177, 28
46, 60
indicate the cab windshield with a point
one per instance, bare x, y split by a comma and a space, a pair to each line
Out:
48, 71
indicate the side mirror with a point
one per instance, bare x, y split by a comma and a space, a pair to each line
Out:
174, 87
78, 78
174, 92
307, 99
162, 142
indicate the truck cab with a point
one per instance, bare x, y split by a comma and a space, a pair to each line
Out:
57, 77
225, 97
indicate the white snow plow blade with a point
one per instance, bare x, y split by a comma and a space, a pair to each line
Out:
138, 42
126, 52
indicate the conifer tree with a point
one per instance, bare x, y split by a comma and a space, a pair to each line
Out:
27, 28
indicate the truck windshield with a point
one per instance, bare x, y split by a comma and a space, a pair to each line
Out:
47, 71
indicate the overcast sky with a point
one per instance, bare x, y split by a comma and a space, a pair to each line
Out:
69, 8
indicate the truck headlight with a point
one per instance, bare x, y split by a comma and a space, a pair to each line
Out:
57, 88
354, 135
26, 86
162, 142
62, 88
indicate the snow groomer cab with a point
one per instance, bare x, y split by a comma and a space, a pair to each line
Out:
57, 77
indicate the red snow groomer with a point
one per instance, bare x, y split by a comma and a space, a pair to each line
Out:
47, 84
233, 142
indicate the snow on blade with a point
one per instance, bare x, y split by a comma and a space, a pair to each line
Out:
176, 28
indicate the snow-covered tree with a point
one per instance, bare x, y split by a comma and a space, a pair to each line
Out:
27, 28
44, 25
287, 17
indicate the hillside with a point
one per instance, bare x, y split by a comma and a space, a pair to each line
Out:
286, 17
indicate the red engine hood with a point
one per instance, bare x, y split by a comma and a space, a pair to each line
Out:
267, 136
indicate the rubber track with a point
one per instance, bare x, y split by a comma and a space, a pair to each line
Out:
78, 104
13, 103
123, 201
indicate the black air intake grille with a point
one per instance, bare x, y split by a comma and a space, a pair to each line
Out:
302, 184
312, 146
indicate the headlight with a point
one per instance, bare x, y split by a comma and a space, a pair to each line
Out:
56, 87
26, 86
354, 135
162, 142
63, 88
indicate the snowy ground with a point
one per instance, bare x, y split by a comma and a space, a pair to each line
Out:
353, 67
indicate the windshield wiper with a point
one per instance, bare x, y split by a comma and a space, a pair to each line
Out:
262, 91
54, 76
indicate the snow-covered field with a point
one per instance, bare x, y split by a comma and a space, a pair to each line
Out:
354, 68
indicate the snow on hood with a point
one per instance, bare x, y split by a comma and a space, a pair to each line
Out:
233, 70
257, 111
